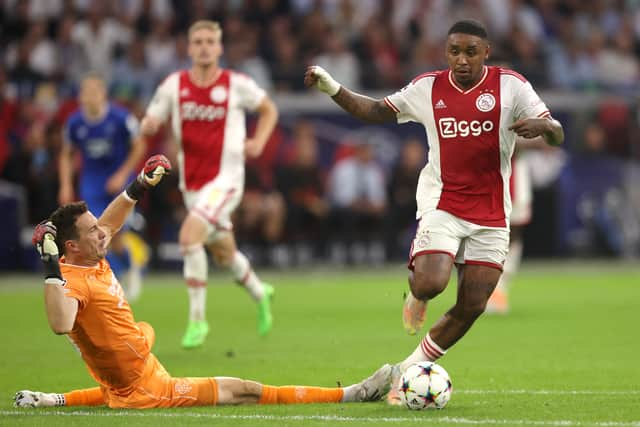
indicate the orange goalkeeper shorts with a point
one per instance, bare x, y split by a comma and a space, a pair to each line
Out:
158, 389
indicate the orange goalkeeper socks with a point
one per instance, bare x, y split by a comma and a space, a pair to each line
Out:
300, 394
86, 397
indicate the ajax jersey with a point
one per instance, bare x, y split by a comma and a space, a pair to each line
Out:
208, 123
470, 146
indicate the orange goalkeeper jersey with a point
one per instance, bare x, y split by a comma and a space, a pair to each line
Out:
105, 333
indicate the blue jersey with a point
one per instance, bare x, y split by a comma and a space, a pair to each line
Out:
104, 145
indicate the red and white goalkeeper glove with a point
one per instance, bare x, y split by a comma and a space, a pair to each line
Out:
151, 174
44, 239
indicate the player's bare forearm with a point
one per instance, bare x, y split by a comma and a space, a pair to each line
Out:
554, 135
115, 215
136, 154
61, 309
267, 119
363, 107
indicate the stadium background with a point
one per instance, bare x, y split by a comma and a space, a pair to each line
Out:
566, 355
581, 56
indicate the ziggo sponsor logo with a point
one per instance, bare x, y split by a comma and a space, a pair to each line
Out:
451, 128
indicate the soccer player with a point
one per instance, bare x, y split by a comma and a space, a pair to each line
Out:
472, 114
84, 300
106, 137
207, 107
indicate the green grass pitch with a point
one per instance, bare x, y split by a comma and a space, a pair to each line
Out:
567, 355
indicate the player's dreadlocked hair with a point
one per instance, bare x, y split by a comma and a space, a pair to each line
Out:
64, 218
471, 27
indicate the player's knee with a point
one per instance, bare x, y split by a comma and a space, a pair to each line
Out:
222, 259
426, 285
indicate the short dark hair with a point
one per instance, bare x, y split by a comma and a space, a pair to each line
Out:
468, 26
64, 218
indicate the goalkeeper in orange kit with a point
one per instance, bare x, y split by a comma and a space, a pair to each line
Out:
84, 300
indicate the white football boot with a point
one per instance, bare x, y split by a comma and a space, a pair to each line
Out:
37, 399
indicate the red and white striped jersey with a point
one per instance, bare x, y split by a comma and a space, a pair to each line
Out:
208, 124
470, 145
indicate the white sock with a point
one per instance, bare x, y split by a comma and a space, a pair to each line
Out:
134, 287
195, 274
511, 265
350, 393
427, 350
197, 302
244, 276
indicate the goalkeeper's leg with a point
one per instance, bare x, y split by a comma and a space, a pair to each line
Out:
37, 399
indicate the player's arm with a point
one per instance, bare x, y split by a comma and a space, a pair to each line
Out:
61, 309
267, 119
137, 150
65, 172
159, 107
360, 106
119, 209
546, 127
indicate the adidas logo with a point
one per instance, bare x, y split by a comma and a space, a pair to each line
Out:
441, 104
184, 92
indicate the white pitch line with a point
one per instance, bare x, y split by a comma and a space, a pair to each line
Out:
328, 418
552, 392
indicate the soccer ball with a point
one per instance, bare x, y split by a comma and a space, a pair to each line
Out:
425, 385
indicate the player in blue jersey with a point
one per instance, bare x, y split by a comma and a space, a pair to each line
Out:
106, 137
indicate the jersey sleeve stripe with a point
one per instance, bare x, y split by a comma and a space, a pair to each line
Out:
545, 113
514, 74
390, 104
423, 75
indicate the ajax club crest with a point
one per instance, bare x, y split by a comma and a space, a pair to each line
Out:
485, 102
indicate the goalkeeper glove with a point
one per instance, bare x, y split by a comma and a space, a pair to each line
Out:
154, 169
44, 239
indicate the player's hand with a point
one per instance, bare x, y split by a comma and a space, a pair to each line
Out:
320, 78
530, 128
149, 125
44, 239
253, 148
154, 169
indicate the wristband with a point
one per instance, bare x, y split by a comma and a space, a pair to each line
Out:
136, 190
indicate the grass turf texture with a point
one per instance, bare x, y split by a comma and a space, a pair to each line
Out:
567, 354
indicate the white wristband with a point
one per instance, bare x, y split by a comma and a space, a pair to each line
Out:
55, 281
325, 82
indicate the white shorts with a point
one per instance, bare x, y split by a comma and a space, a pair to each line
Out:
215, 205
464, 241
521, 193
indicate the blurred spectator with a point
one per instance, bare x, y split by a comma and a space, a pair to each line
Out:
339, 61
357, 193
131, 74
302, 185
401, 218
160, 47
526, 58
287, 69
8, 119
99, 36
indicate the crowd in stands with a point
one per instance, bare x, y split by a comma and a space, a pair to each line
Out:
292, 194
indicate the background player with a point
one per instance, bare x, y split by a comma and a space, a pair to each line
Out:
472, 115
521, 196
207, 106
84, 299
105, 136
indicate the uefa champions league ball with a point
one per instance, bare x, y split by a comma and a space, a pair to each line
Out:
425, 385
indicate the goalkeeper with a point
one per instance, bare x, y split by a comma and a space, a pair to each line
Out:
84, 300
